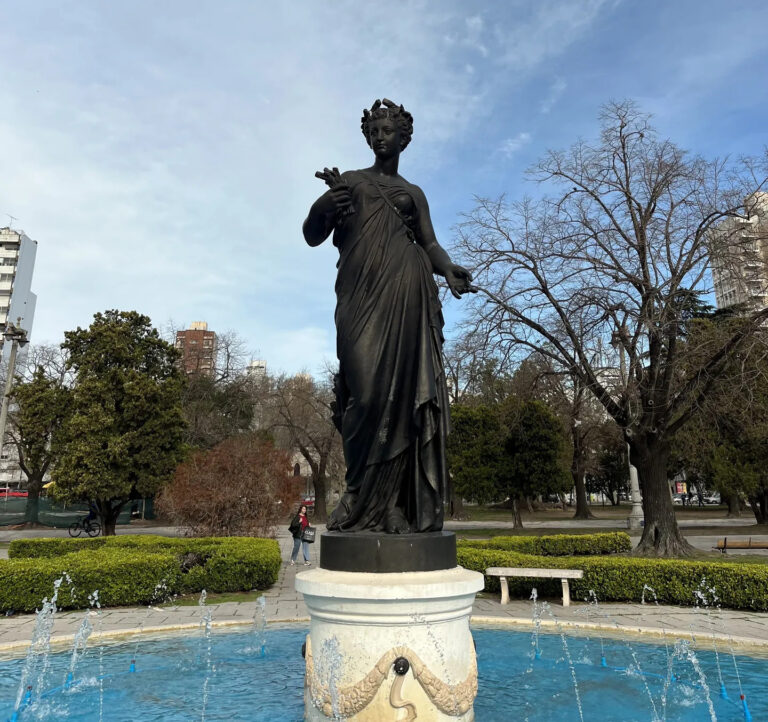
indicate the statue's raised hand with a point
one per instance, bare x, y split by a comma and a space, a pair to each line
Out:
340, 195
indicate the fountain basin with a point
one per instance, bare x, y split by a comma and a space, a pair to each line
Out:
243, 684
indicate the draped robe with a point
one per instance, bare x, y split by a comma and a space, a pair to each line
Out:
391, 389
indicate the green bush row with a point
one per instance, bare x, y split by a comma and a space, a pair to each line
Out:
558, 545
54, 547
142, 571
622, 579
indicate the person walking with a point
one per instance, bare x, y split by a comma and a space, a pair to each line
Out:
297, 526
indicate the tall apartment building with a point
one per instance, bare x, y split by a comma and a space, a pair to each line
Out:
17, 263
17, 307
198, 349
739, 257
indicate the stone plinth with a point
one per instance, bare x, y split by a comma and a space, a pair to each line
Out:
385, 553
391, 646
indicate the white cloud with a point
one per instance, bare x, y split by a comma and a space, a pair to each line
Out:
163, 155
555, 91
548, 28
510, 146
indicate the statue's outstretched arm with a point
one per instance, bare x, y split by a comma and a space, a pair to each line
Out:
458, 278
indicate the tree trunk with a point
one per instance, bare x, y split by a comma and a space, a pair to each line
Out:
577, 474
734, 505
517, 519
661, 534
456, 506
32, 508
108, 515
759, 504
321, 510
582, 505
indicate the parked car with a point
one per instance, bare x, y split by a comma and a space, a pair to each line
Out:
712, 499
678, 498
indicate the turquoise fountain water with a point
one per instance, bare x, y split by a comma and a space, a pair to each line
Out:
257, 674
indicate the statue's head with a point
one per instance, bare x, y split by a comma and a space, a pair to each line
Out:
387, 110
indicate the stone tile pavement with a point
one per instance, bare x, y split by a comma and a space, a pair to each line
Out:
284, 604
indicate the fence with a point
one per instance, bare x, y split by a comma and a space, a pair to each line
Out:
61, 516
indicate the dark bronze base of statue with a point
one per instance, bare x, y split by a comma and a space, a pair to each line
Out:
383, 553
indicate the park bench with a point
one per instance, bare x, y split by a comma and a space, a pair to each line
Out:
562, 574
723, 545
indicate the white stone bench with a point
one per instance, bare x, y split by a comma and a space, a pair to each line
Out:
562, 574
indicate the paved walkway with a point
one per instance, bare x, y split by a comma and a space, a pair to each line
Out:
284, 604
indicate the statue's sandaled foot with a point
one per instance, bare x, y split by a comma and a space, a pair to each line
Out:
342, 511
396, 523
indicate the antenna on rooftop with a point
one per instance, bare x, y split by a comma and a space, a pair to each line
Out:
13, 218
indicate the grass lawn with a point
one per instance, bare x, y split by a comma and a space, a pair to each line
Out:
718, 531
496, 513
487, 533
191, 600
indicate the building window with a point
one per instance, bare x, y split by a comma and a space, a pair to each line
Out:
297, 469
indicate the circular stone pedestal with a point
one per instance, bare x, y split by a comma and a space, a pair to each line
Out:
387, 647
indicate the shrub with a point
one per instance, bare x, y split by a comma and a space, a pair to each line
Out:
240, 487
121, 577
558, 545
622, 579
126, 570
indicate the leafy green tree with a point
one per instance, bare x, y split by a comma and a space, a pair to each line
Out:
582, 418
725, 444
476, 454
534, 444
611, 475
124, 436
507, 452
41, 405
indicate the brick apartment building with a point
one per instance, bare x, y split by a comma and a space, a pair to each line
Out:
198, 349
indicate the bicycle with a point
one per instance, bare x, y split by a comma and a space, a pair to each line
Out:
90, 527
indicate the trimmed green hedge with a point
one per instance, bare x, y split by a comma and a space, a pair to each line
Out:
54, 547
557, 545
126, 570
621, 579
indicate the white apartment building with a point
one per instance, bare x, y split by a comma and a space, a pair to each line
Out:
257, 369
739, 257
17, 263
17, 307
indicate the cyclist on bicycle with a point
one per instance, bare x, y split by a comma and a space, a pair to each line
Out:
93, 514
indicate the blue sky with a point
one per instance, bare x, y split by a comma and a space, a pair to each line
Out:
163, 154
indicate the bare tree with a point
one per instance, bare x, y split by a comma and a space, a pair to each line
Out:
39, 404
473, 375
601, 277
301, 410
232, 355
220, 401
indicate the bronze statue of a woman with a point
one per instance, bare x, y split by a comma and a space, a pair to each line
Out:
392, 401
